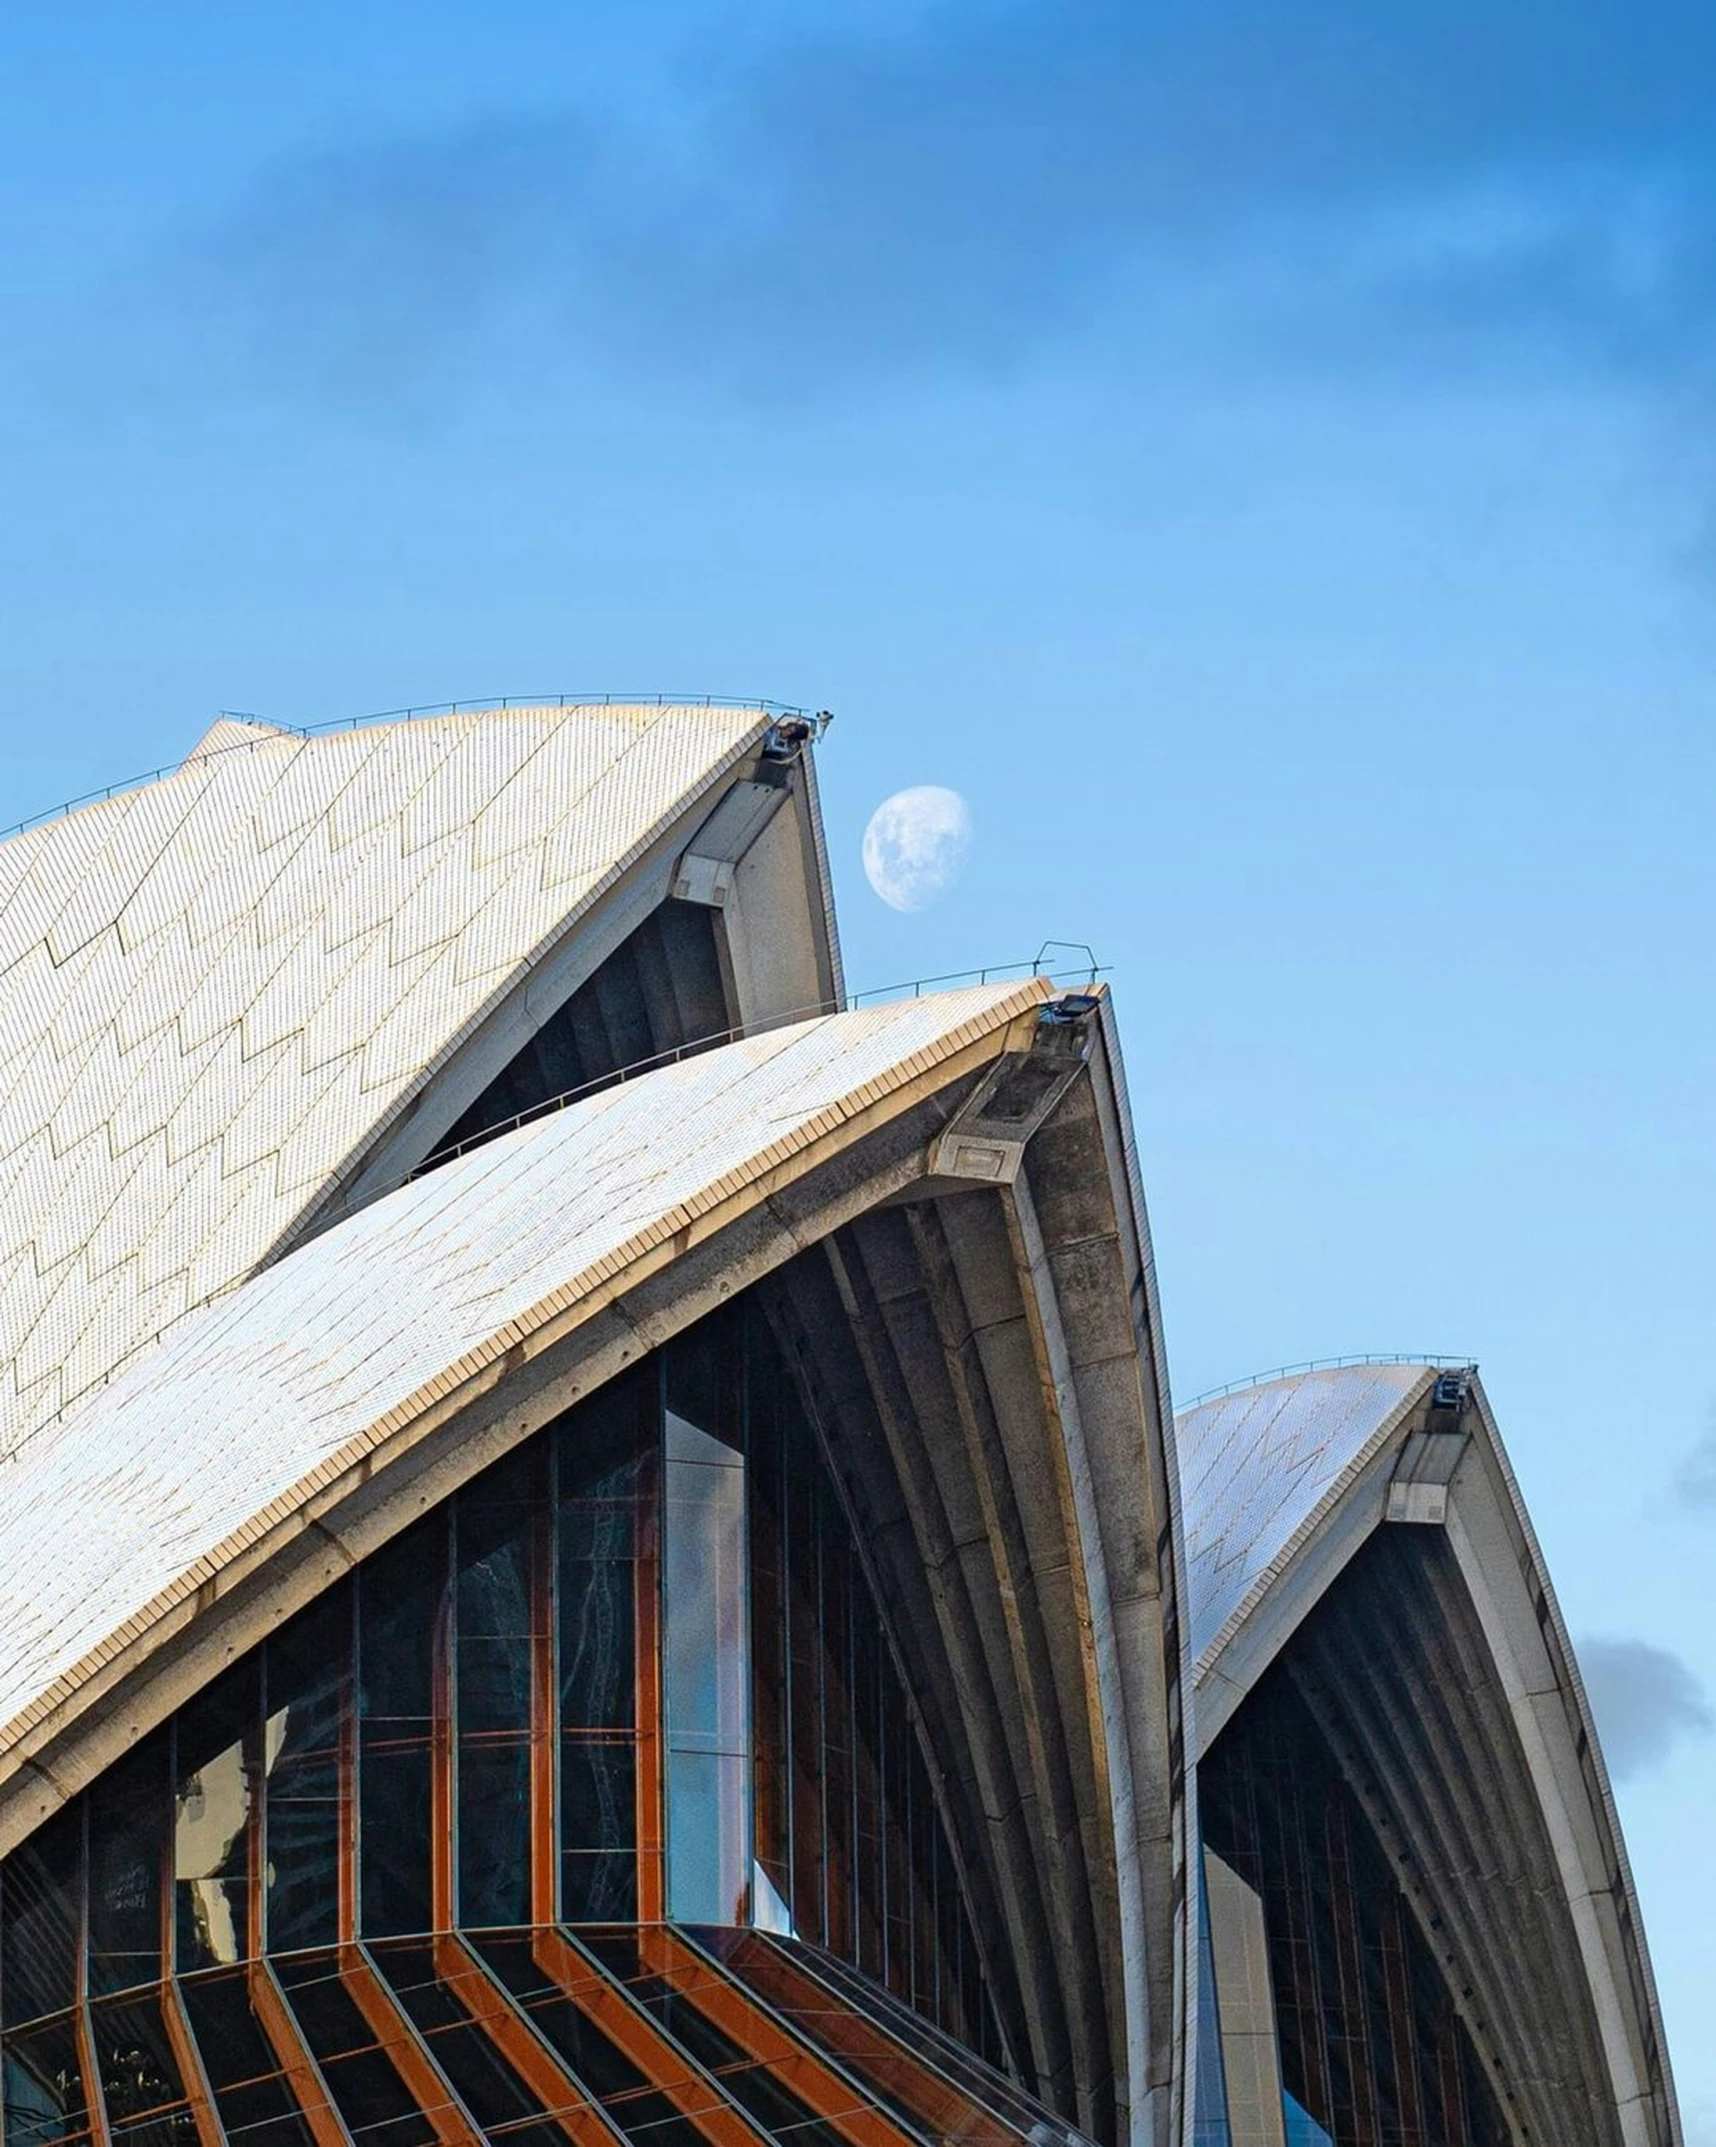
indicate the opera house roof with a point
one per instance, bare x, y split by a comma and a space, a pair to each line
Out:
396, 1117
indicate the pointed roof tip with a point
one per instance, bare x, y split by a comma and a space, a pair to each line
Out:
228, 731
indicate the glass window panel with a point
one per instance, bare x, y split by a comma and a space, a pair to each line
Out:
757, 2088
41, 1913
363, 2081
402, 1597
308, 1676
252, 2099
708, 1861
805, 1667
598, 1804
611, 2079
493, 1667
603, 1452
215, 1764
706, 1674
487, 2086
128, 1811
44, 2087
141, 2087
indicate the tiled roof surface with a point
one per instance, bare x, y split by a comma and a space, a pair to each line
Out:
128, 1499
1256, 1465
216, 988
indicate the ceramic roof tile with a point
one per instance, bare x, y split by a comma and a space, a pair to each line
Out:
139, 1484
161, 947
1255, 1465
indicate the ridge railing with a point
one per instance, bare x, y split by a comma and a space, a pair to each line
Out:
695, 1046
1327, 1364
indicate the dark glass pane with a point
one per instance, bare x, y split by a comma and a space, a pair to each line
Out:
44, 2087
141, 2087
308, 1674
128, 1811
402, 1596
366, 2087
598, 1804
216, 1759
603, 1450
757, 2088
252, 2098
41, 1914
607, 2074
805, 1669
493, 1657
481, 2078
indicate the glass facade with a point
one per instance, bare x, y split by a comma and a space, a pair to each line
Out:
470, 1826
1372, 2051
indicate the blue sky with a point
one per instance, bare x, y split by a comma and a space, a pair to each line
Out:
1262, 457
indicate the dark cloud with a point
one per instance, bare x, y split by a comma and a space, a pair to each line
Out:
1006, 175
1646, 1701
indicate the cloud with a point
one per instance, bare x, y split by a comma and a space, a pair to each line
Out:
1695, 1480
1646, 1701
996, 178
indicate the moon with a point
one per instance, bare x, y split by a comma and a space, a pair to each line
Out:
915, 845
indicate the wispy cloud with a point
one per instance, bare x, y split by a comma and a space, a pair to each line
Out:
1695, 1480
1646, 1702
960, 195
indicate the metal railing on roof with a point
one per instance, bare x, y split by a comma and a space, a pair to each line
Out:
1004, 972
695, 1046
1327, 1364
486, 705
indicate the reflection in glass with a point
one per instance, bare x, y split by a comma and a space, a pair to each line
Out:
647, 1633
43, 2084
141, 2089
706, 1675
308, 1674
211, 1822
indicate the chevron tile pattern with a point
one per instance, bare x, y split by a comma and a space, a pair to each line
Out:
214, 990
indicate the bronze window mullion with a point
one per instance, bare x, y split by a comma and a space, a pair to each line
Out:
563, 2096
651, 1819
95, 2105
768, 2041
443, 1809
189, 2059
346, 1853
544, 1695
292, 2055
407, 2052
628, 2025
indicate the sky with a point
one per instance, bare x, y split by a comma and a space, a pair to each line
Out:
1262, 458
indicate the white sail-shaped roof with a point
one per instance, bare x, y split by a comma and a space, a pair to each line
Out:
1434, 1683
132, 1496
216, 989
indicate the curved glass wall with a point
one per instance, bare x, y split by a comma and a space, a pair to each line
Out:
631, 1678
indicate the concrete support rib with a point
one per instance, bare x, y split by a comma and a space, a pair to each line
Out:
895, 1337
973, 1297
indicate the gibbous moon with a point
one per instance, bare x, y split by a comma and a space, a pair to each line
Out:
915, 845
